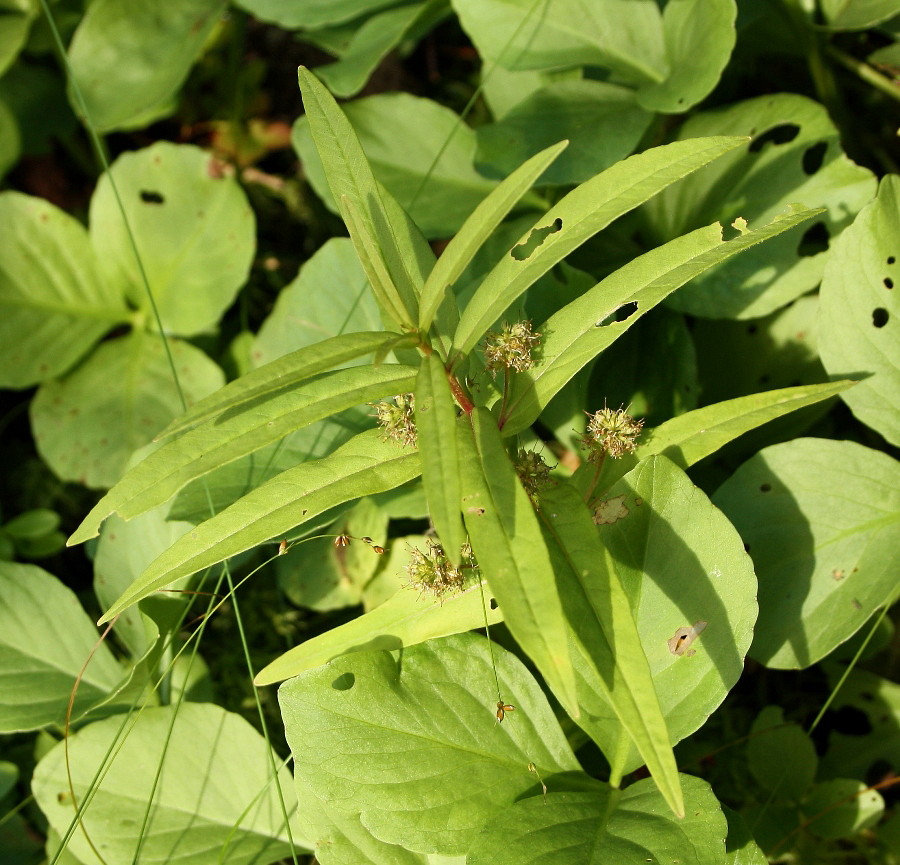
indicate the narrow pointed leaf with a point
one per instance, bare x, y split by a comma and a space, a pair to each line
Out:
477, 228
215, 443
582, 213
365, 465
282, 373
599, 614
582, 329
407, 618
351, 180
436, 425
506, 538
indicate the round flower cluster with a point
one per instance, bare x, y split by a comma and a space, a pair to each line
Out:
431, 571
397, 418
612, 432
511, 348
533, 472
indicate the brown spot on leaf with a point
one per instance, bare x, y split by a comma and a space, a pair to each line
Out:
680, 643
610, 511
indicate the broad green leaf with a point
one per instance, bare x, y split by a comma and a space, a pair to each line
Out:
329, 297
821, 520
359, 199
54, 302
408, 618
312, 14
284, 373
602, 122
340, 836
506, 538
88, 423
363, 466
193, 226
440, 196
680, 562
123, 551
860, 313
424, 722
781, 756
503, 89
857, 14
15, 20
673, 58
598, 613
374, 38
740, 846
691, 437
151, 45
473, 233
699, 36
436, 428
606, 827
212, 444
578, 216
318, 575
216, 799
582, 329
794, 156
45, 639
842, 807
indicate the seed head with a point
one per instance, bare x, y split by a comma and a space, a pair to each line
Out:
533, 472
397, 419
511, 348
431, 571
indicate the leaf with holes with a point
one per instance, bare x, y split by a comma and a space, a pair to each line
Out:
424, 721
193, 229
821, 520
794, 157
860, 311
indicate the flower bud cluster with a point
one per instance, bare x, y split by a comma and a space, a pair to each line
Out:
612, 432
511, 348
431, 571
397, 419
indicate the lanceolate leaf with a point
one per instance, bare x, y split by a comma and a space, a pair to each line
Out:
282, 373
506, 538
477, 228
436, 425
580, 331
355, 188
581, 214
599, 615
365, 465
407, 618
219, 441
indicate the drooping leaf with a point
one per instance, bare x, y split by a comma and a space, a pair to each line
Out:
794, 156
88, 423
477, 228
151, 44
605, 634
330, 296
821, 520
15, 21
781, 756
373, 39
193, 227
681, 563
583, 328
579, 215
602, 122
54, 302
606, 827
436, 428
427, 724
214, 443
438, 199
45, 639
312, 13
363, 466
860, 314
857, 14
216, 799
408, 618
506, 538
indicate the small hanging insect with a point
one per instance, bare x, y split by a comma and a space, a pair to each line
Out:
502, 709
